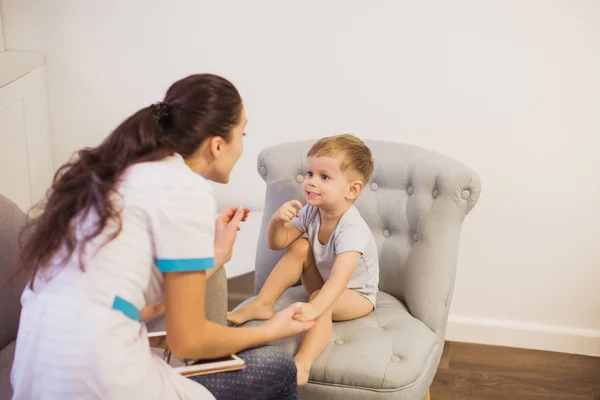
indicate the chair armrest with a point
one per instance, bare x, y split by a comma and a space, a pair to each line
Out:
216, 298
158, 340
431, 264
215, 302
12, 220
215, 306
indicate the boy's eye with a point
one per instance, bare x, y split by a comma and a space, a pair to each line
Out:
324, 177
309, 173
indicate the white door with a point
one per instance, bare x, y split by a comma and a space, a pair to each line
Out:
25, 154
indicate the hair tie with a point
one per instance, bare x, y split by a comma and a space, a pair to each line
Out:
160, 110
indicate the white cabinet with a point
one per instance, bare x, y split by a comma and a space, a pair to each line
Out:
1, 38
26, 168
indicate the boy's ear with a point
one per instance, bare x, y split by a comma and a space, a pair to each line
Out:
356, 188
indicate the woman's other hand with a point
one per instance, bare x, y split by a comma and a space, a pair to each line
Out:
226, 228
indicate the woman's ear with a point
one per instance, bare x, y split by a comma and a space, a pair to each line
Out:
215, 146
356, 188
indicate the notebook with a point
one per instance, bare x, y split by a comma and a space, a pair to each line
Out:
189, 368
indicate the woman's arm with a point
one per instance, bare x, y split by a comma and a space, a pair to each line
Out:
190, 335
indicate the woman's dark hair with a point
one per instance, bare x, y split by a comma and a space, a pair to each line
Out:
194, 109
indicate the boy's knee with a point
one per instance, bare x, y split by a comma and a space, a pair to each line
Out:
300, 247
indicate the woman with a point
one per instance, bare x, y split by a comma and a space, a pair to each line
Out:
129, 223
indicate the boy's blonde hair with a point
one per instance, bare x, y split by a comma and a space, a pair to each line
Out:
356, 156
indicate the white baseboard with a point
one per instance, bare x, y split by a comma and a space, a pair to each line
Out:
523, 335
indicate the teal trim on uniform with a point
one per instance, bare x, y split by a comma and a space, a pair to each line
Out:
185, 264
131, 311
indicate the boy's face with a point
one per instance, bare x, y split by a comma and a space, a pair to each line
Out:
325, 185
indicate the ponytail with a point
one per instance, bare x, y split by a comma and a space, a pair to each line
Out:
87, 183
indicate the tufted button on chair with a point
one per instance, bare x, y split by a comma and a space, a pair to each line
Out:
415, 205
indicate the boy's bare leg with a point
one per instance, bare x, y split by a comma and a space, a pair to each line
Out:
350, 305
311, 278
285, 274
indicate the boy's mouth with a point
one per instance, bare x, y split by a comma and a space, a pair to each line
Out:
312, 194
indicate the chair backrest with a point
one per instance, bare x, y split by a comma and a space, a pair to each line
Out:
414, 204
12, 220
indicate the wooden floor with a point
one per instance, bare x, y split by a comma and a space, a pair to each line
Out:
477, 372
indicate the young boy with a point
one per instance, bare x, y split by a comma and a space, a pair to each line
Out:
331, 248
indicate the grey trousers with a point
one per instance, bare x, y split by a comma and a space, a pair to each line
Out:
270, 373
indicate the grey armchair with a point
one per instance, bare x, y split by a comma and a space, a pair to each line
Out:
12, 220
415, 204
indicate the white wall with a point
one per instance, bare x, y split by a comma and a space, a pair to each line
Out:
510, 88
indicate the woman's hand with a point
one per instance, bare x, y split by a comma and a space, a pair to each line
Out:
282, 324
226, 228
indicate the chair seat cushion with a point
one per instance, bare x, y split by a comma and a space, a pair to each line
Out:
387, 349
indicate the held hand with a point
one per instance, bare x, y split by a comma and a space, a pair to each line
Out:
288, 211
306, 312
226, 228
152, 311
282, 324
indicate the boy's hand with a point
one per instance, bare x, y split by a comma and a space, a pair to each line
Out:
306, 312
288, 211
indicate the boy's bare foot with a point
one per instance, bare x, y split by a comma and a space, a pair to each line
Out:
251, 311
303, 371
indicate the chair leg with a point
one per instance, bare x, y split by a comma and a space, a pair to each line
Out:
428, 397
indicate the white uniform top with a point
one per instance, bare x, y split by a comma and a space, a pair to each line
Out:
351, 234
80, 336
